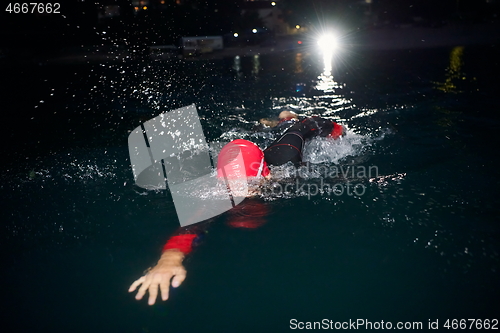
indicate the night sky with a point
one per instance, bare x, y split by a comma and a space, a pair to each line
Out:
78, 22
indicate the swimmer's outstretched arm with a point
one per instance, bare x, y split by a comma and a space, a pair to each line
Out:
168, 271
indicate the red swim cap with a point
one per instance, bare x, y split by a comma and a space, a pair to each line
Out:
241, 158
337, 131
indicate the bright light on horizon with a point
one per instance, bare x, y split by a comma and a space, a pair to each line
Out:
328, 42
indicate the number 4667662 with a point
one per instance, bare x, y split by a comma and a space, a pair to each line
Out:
34, 7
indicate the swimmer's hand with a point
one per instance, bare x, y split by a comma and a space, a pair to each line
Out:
169, 267
269, 122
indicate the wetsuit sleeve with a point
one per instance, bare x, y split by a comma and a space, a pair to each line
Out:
185, 239
288, 148
317, 126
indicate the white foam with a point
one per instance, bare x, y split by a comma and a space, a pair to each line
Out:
328, 150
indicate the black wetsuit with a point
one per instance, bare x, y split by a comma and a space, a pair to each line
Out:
288, 147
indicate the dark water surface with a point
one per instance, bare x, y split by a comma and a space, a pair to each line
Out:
420, 243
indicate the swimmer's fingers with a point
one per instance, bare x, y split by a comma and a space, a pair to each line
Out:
162, 281
136, 284
146, 283
158, 277
164, 289
179, 277
153, 290
150, 284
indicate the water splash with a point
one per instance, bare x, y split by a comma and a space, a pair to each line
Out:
328, 150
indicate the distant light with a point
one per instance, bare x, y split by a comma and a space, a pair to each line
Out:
145, 7
235, 34
273, 3
328, 42
254, 31
299, 42
136, 8
162, 2
297, 26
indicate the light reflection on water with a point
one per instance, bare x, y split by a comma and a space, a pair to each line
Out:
454, 73
237, 66
256, 66
328, 100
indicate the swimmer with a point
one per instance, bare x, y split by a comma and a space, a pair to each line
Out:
169, 270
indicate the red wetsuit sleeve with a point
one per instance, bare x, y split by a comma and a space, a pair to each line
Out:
185, 239
183, 243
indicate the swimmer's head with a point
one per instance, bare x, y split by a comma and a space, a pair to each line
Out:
241, 159
288, 115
